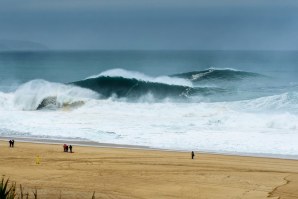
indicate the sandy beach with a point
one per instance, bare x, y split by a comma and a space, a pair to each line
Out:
131, 173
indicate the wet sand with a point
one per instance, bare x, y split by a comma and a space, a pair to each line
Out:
140, 173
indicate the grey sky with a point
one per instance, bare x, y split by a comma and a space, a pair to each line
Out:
154, 24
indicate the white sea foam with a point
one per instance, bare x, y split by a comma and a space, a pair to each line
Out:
245, 126
29, 95
143, 77
285, 102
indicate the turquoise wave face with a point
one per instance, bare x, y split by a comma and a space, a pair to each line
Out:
132, 87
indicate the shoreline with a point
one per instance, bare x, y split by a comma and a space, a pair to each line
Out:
89, 143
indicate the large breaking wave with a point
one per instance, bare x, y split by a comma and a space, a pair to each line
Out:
119, 84
121, 87
214, 109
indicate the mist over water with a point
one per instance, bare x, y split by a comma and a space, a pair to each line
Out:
223, 101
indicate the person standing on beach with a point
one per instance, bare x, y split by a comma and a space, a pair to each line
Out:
192, 155
70, 148
10, 143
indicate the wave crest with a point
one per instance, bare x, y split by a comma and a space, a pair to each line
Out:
142, 77
217, 74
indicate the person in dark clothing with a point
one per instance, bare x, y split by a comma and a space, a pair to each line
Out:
192, 155
66, 149
70, 148
10, 143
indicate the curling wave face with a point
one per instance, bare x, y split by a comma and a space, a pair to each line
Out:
134, 85
134, 89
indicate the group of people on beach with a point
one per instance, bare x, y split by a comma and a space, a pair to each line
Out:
66, 147
11, 143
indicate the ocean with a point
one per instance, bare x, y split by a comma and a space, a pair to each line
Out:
218, 101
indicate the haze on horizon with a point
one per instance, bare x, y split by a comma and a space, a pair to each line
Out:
155, 24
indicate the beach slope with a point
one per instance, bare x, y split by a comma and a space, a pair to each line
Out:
129, 173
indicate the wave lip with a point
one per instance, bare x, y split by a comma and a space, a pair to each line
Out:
142, 77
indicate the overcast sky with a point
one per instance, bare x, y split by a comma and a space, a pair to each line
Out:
152, 24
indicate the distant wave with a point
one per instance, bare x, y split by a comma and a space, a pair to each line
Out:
226, 74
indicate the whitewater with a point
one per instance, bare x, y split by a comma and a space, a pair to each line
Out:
216, 109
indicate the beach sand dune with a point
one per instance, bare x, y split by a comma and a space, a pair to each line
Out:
129, 173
